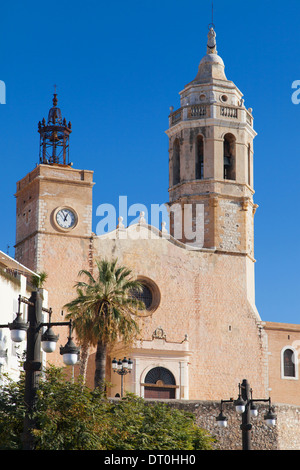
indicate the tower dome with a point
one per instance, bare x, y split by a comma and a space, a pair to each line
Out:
211, 65
54, 115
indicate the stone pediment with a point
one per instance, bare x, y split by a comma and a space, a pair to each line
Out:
144, 231
139, 231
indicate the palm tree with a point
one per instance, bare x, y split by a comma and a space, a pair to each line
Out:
83, 323
103, 311
38, 280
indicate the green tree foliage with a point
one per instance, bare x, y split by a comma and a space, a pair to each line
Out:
12, 412
38, 280
69, 416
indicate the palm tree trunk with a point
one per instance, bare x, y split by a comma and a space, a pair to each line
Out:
100, 363
84, 356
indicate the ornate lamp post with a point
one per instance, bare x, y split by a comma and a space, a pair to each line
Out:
122, 368
35, 340
245, 406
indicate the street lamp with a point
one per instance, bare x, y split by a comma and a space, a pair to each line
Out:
18, 328
35, 340
239, 404
49, 338
122, 368
221, 419
244, 405
69, 352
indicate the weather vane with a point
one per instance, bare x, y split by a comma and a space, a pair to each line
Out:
212, 16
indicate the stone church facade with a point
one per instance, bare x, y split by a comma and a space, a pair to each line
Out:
203, 333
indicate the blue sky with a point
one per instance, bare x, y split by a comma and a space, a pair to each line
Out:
118, 67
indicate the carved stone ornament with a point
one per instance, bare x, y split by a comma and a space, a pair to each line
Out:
120, 224
142, 219
159, 334
214, 201
245, 204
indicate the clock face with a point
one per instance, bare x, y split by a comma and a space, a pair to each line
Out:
66, 218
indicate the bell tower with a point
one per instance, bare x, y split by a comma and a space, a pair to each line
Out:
211, 161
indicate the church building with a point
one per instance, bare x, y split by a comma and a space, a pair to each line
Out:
203, 334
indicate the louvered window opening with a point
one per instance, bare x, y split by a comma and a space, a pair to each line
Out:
160, 375
144, 296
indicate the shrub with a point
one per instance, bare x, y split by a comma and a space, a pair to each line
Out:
69, 416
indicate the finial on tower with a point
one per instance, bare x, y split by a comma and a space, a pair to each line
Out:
55, 100
211, 43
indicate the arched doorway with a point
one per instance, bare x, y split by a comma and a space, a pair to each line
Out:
159, 383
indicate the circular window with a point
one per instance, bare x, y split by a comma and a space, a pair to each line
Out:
145, 296
149, 294
224, 98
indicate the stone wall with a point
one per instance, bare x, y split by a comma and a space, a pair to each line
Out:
285, 436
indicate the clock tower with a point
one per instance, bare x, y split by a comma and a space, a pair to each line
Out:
54, 214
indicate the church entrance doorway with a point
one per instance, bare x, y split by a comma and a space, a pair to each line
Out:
159, 392
160, 383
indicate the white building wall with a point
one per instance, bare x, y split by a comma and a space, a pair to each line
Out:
10, 289
13, 283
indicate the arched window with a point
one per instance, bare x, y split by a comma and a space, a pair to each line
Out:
159, 376
159, 383
176, 162
199, 170
289, 363
229, 157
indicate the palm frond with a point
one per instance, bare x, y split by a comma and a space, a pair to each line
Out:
38, 280
105, 306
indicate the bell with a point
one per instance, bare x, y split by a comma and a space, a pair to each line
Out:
227, 161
